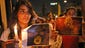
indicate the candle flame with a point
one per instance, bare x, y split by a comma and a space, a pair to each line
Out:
15, 31
15, 28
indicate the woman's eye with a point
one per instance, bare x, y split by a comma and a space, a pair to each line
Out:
21, 11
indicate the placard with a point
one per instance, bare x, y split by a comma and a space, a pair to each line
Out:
69, 25
38, 34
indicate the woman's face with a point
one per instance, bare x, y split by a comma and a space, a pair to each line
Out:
23, 14
71, 12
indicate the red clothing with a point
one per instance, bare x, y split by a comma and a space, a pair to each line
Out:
70, 41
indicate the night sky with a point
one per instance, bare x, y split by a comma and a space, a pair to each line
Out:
38, 5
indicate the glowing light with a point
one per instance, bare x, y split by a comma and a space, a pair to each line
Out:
56, 16
54, 3
65, 1
15, 31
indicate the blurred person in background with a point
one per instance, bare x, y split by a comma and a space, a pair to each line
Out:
51, 19
66, 29
71, 11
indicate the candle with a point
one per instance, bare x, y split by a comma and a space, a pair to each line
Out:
15, 31
16, 37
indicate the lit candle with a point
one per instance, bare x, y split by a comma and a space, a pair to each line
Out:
16, 37
15, 31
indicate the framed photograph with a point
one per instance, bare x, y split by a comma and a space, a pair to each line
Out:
69, 25
38, 34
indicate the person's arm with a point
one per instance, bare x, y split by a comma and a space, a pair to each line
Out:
5, 34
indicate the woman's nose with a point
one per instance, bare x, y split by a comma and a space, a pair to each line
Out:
26, 14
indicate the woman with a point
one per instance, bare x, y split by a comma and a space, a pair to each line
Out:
22, 16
